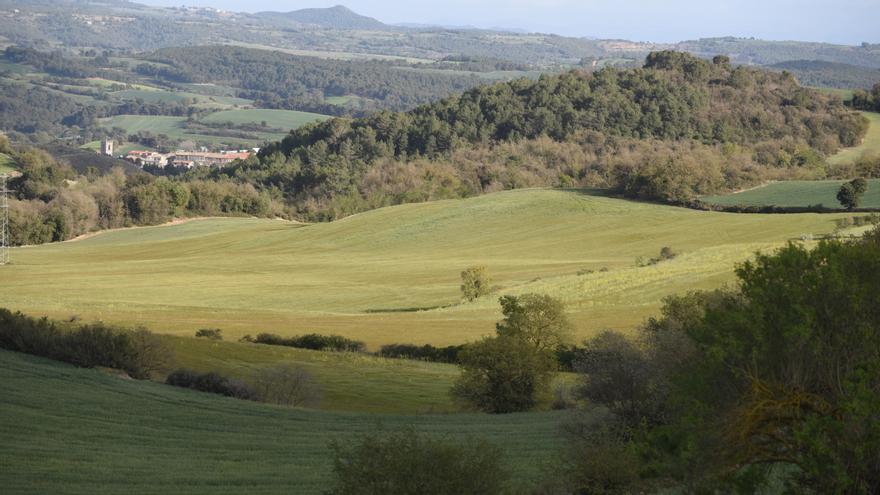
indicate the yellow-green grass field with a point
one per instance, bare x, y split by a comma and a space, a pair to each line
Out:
282, 119
871, 143
797, 193
67, 430
392, 275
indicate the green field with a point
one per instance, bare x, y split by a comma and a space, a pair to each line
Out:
797, 193
282, 119
67, 430
157, 95
871, 143
392, 275
173, 127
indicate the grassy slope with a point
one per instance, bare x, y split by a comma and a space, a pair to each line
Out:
349, 382
870, 144
174, 126
7, 164
363, 276
69, 430
157, 95
284, 119
797, 193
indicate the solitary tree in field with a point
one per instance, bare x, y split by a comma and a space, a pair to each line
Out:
538, 319
475, 282
850, 194
511, 372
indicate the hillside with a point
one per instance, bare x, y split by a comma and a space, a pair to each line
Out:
392, 275
338, 17
830, 74
675, 129
69, 430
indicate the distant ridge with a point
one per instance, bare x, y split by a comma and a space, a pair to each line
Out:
338, 17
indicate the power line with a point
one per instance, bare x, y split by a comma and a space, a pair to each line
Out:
4, 221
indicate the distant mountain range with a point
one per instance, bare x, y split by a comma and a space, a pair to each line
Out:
338, 32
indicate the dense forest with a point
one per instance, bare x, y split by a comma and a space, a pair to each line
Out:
830, 74
867, 100
278, 80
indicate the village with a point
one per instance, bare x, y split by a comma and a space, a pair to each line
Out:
180, 158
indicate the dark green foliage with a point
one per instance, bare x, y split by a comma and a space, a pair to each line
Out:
782, 371
138, 353
619, 375
211, 382
867, 100
427, 352
210, 333
850, 193
313, 341
503, 375
406, 463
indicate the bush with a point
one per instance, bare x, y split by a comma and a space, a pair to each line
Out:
427, 352
210, 333
475, 282
138, 353
211, 382
407, 463
314, 342
287, 385
503, 375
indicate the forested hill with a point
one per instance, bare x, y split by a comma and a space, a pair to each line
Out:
279, 80
339, 17
678, 127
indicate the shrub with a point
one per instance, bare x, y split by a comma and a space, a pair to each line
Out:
138, 353
210, 333
287, 385
503, 375
406, 463
211, 382
313, 341
427, 352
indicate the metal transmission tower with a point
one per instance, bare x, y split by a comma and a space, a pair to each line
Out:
4, 221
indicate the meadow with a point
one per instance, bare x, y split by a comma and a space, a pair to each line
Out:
174, 127
156, 95
871, 143
797, 193
70, 430
282, 119
392, 275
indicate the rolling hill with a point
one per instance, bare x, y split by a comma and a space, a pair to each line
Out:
67, 430
392, 275
338, 17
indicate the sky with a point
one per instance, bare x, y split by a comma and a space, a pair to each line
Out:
841, 21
